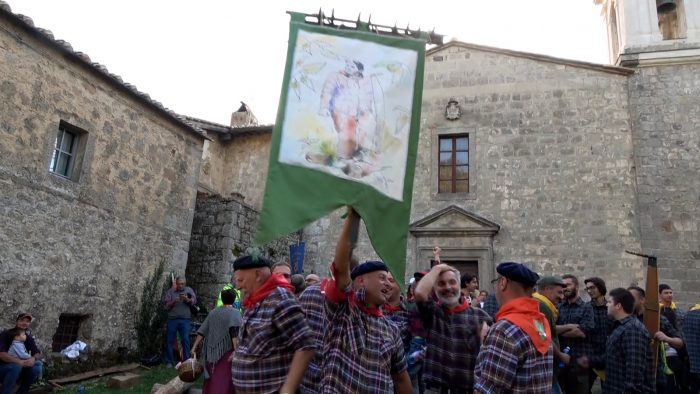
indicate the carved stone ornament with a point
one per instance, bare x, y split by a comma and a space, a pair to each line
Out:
453, 111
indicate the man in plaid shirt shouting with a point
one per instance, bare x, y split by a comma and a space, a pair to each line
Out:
516, 356
274, 342
454, 332
362, 350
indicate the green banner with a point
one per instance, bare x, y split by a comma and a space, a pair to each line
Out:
346, 134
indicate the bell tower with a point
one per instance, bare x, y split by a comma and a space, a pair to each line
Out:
647, 32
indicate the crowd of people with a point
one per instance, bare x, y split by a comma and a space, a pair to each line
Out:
355, 332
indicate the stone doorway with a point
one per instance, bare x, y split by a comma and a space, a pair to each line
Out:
465, 238
465, 267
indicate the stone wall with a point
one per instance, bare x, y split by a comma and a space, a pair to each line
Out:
84, 245
551, 162
665, 103
211, 176
245, 167
223, 228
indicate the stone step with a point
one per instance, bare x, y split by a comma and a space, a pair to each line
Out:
123, 381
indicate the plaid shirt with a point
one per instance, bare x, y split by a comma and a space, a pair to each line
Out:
691, 332
509, 363
627, 359
313, 301
400, 318
361, 351
580, 313
271, 333
453, 344
603, 327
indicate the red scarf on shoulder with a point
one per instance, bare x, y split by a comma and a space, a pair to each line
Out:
462, 306
272, 283
524, 312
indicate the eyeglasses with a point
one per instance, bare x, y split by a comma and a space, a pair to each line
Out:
287, 275
496, 280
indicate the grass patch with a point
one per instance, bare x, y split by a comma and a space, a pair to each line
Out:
148, 377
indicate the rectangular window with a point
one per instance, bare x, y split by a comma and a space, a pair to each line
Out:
64, 152
453, 168
68, 150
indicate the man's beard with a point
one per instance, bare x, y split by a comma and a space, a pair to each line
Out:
449, 301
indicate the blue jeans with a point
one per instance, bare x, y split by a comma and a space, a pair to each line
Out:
182, 327
11, 374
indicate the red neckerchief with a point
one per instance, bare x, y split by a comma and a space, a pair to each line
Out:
370, 310
391, 309
458, 308
272, 283
524, 312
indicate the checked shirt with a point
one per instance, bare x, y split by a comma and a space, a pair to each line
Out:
603, 327
361, 351
271, 333
313, 302
580, 313
627, 359
691, 333
509, 363
453, 344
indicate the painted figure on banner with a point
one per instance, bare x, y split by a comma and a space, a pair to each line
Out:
349, 109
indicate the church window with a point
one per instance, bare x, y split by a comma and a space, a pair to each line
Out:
65, 160
453, 167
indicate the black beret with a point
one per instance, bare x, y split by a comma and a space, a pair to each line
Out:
518, 272
367, 267
246, 262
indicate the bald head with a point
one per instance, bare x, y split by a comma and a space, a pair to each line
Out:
312, 279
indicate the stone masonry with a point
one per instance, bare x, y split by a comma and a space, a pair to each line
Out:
83, 246
222, 229
665, 107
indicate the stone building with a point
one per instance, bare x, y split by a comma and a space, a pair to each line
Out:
561, 164
97, 186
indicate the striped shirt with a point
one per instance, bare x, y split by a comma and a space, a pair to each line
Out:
509, 363
361, 351
271, 333
313, 301
453, 344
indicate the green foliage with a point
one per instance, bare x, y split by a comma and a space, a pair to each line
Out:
152, 316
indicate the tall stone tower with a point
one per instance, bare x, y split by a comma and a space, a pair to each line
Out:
652, 31
661, 40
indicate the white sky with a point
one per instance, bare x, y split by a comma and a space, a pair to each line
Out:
201, 58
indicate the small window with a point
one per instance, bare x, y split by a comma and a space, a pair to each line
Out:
65, 160
67, 331
453, 167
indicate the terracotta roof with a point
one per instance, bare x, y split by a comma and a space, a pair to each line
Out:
227, 132
535, 56
100, 69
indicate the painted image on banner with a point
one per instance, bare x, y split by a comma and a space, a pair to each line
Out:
348, 110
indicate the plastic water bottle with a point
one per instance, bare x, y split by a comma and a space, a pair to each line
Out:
81, 390
565, 351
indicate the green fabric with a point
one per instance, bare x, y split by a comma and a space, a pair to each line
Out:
555, 338
295, 196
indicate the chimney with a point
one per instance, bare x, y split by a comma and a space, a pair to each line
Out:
243, 117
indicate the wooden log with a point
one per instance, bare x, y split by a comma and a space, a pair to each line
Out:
174, 386
94, 374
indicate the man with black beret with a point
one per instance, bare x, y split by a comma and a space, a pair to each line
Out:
516, 356
363, 351
274, 342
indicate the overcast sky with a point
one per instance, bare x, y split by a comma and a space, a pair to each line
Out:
201, 58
